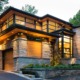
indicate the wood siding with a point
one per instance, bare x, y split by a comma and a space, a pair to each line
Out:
34, 49
8, 60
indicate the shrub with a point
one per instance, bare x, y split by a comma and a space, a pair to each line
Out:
37, 66
28, 66
60, 66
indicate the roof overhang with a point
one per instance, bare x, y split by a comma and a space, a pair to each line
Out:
12, 10
15, 28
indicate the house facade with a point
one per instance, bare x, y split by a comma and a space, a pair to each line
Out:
27, 39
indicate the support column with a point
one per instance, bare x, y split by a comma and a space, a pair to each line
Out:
19, 49
46, 50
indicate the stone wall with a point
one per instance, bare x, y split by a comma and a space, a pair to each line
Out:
20, 47
70, 61
19, 50
76, 43
22, 61
52, 73
46, 51
20, 53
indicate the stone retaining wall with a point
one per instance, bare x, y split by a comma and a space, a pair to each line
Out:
22, 61
51, 73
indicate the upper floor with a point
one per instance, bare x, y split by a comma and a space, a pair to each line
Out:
46, 23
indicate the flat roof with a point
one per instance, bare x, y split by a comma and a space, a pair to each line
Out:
26, 13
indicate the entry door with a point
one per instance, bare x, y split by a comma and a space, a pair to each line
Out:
8, 60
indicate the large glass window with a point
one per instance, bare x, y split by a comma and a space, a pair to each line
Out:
65, 47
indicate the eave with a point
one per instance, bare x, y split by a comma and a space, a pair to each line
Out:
15, 28
65, 31
34, 16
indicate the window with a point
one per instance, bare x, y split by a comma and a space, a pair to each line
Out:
51, 26
30, 23
20, 20
11, 18
51, 30
60, 45
4, 26
38, 26
10, 21
44, 26
52, 23
58, 26
67, 46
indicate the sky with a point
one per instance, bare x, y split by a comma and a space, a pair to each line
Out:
63, 9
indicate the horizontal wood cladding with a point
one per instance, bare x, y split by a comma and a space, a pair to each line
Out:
34, 49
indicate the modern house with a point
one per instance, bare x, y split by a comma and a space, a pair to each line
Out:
26, 39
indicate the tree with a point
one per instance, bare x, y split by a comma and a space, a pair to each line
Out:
2, 3
30, 9
76, 19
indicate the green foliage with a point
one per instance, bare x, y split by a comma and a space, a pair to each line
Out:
2, 3
76, 19
36, 66
46, 66
30, 9
28, 66
70, 66
55, 58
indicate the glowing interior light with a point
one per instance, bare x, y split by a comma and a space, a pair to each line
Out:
0, 47
73, 61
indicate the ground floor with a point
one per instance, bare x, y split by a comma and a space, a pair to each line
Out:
24, 47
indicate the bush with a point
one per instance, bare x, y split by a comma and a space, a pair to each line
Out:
37, 66
28, 66
60, 66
